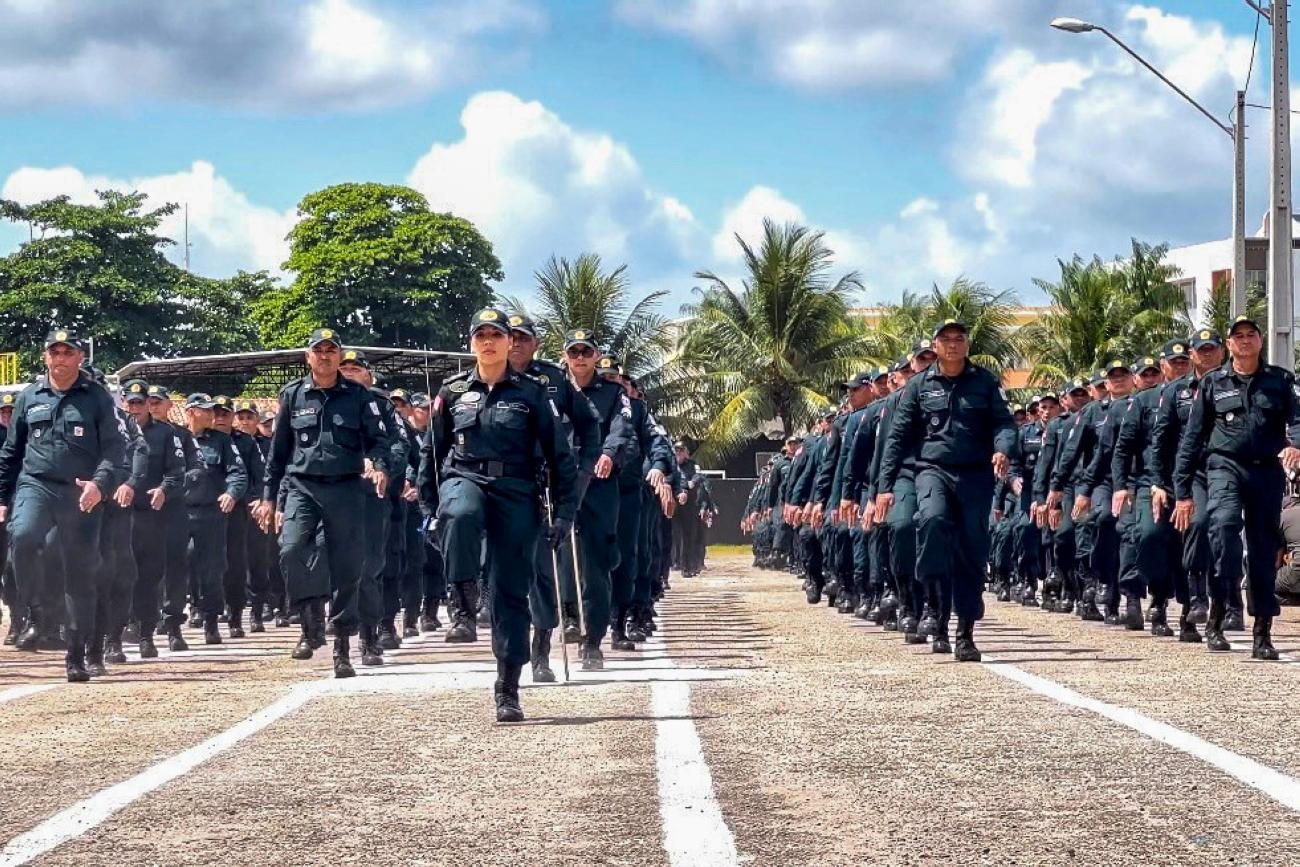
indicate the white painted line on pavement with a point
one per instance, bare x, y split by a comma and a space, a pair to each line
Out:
1279, 786
695, 832
85, 815
17, 692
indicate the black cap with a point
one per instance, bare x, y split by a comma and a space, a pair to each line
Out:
400, 394
948, 323
157, 391
63, 335
923, 346
135, 389
860, 379
245, 406
608, 365
1175, 348
1115, 364
325, 335
1050, 396
1244, 320
269, 415
7, 399
489, 317
1098, 378
520, 322
355, 356
199, 400
904, 363
1206, 337
420, 399
1146, 362
223, 403
580, 337
681, 444
1015, 407
1079, 383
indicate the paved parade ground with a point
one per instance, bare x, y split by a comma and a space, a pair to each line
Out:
754, 729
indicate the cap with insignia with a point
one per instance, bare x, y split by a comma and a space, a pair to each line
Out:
1174, 349
324, 335
1116, 364
923, 346
7, 399
135, 389
489, 317
354, 356
399, 394
1206, 337
608, 365
860, 379
580, 337
157, 391
1243, 320
904, 363
1145, 363
420, 400
223, 403
949, 323
1015, 407
245, 406
520, 322
64, 336
1048, 396
199, 400
1079, 383
269, 415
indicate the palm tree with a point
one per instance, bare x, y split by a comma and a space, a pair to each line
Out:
772, 349
989, 315
580, 294
1217, 310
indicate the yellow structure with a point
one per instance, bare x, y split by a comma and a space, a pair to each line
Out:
8, 368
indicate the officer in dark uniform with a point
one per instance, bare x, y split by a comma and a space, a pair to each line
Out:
956, 419
409, 580
579, 416
162, 478
213, 490
484, 430
1244, 427
8, 592
326, 429
598, 511
245, 430
239, 527
58, 463
176, 587
377, 518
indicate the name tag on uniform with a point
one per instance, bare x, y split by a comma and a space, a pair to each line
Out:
78, 431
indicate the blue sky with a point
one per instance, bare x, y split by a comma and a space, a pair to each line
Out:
985, 144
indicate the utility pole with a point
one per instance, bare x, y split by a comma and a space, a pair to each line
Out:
1239, 207
1281, 322
187, 237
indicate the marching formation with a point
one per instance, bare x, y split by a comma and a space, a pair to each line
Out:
1160, 478
526, 495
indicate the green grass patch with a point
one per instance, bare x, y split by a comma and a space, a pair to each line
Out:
722, 550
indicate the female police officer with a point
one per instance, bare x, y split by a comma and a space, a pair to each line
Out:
478, 473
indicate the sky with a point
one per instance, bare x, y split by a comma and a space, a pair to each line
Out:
927, 140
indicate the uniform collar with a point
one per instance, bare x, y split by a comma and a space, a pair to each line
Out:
81, 382
933, 371
339, 384
511, 375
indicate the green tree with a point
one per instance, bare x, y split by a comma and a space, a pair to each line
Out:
775, 347
1216, 313
216, 318
374, 261
581, 294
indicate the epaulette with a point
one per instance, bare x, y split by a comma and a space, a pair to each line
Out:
550, 366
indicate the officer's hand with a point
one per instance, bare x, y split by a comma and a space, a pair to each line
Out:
681, 499
1159, 499
1054, 518
656, 478
869, 514
604, 467
1290, 458
1184, 510
157, 498
997, 514
1081, 506
1119, 501
278, 522
4, 514
1017, 486
410, 493
558, 532
226, 504
91, 496
369, 466
670, 508
1000, 465
381, 483
263, 512
835, 516
124, 495
1054, 499
884, 502
849, 512
815, 516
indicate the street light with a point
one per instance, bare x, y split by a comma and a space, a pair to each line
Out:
1236, 132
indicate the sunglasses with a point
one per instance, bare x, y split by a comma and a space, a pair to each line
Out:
580, 352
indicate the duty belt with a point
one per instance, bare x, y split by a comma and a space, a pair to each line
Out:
497, 469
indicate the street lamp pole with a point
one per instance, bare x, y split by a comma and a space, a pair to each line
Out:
1281, 313
1236, 132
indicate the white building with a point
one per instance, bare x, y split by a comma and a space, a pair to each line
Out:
1205, 265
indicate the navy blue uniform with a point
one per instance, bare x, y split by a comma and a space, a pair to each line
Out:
219, 470
164, 468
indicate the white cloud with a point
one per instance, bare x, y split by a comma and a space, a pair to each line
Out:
227, 231
818, 44
300, 57
745, 219
536, 186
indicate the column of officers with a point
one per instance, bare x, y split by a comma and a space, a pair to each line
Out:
345, 511
1150, 480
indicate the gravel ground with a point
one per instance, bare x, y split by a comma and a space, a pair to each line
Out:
829, 742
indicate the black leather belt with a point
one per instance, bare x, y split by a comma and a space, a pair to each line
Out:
497, 469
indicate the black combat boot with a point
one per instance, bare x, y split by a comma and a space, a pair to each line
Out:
342, 663
909, 625
306, 642
388, 639
15, 629
282, 619
463, 628
236, 623
256, 623
371, 654
929, 625
966, 651
95, 656
1160, 619
506, 692
832, 591
619, 639
429, 621
196, 617
1233, 621
1028, 597
541, 656
1262, 647
147, 648
211, 630
175, 640
1199, 613
31, 634
863, 609
409, 627
113, 649
319, 626
941, 643
633, 629
812, 592
75, 661
1133, 619
592, 658
1187, 633
1214, 639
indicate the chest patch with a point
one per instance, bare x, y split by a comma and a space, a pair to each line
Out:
460, 386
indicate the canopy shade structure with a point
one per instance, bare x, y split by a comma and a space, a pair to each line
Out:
263, 374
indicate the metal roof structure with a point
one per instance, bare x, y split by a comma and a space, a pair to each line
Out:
253, 374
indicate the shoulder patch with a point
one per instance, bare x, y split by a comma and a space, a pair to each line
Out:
460, 386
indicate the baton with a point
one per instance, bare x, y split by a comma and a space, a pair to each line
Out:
559, 599
577, 579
